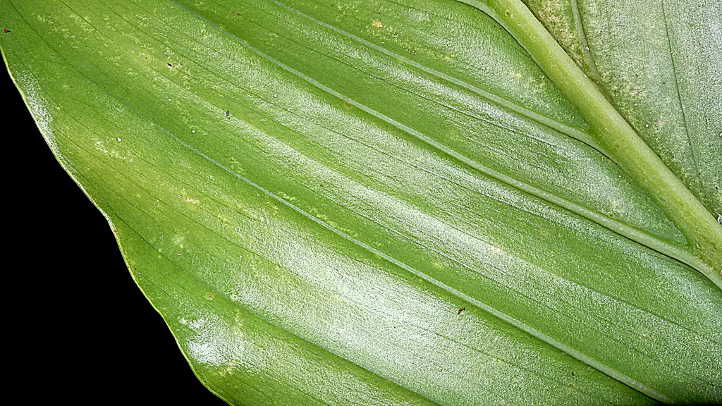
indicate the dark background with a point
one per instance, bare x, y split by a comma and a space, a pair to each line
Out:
77, 329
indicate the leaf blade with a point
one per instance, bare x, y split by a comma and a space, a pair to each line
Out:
159, 175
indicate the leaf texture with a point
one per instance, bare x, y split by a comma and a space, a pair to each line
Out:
387, 202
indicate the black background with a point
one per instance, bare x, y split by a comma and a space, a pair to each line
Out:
77, 329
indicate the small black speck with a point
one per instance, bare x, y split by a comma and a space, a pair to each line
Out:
170, 65
228, 114
461, 310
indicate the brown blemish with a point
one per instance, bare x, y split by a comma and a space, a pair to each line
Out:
461, 310
5, 30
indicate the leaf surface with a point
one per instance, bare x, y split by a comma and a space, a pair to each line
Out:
382, 202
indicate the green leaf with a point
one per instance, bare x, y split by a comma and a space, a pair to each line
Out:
377, 202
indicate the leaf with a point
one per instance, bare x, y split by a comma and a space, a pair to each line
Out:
395, 202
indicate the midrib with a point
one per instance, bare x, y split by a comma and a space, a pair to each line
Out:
617, 138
